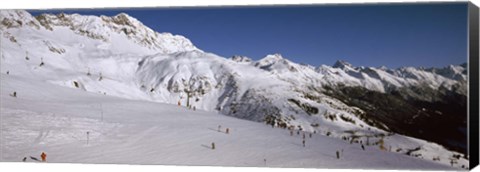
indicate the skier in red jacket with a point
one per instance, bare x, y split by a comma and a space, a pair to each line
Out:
44, 157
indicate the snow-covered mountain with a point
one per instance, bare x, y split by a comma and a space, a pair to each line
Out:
119, 56
106, 29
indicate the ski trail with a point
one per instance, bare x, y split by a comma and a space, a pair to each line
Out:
41, 136
142, 135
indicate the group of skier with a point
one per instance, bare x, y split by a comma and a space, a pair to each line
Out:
194, 108
227, 130
43, 156
219, 129
303, 135
338, 153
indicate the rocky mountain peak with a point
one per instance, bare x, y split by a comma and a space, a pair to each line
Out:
342, 64
239, 58
16, 19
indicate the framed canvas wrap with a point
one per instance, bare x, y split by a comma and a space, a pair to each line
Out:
350, 86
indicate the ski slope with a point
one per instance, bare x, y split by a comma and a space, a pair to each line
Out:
55, 119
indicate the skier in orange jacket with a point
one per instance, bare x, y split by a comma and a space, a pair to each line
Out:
44, 156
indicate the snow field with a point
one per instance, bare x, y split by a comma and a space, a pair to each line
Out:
141, 132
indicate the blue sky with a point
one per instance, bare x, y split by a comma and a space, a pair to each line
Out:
393, 35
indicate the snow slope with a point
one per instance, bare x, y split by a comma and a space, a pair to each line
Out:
55, 120
119, 60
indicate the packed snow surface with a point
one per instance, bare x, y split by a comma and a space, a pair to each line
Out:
55, 120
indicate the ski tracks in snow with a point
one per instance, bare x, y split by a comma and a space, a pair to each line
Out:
29, 132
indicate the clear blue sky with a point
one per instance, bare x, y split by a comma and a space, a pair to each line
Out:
429, 35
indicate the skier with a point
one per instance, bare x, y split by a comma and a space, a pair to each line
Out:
338, 155
194, 108
303, 142
179, 104
14, 94
41, 62
310, 135
298, 132
304, 136
44, 156
213, 145
363, 147
24, 159
227, 130
381, 144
